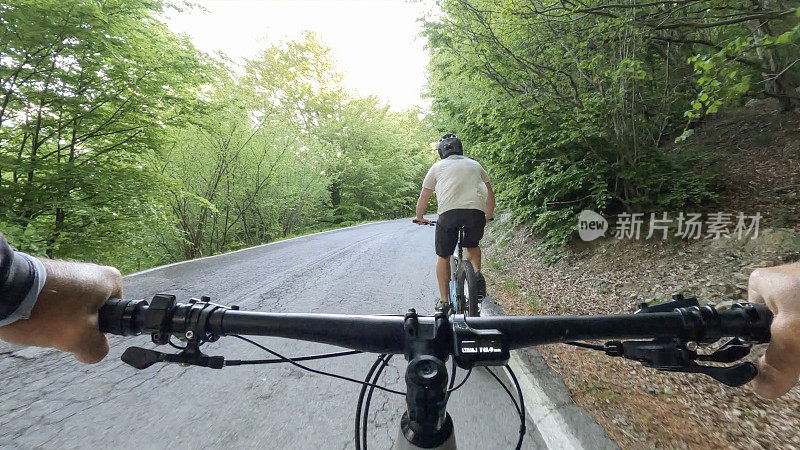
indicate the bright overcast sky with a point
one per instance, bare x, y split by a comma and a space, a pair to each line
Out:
375, 42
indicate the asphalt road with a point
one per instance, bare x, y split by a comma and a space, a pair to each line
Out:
48, 400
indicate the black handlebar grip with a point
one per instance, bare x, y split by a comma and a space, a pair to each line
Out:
110, 316
760, 320
118, 316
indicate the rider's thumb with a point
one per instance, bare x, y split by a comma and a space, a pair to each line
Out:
779, 367
93, 348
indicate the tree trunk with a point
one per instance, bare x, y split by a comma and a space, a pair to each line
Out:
777, 82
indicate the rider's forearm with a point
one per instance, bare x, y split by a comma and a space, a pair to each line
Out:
422, 204
490, 205
422, 201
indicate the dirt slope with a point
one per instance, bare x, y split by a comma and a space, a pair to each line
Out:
757, 153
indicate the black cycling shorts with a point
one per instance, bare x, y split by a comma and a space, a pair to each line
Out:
473, 221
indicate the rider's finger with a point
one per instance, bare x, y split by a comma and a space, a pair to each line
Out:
779, 368
114, 279
753, 288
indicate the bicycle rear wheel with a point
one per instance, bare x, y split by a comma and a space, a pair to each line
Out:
467, 290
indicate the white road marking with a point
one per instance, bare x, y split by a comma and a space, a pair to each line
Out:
141, 272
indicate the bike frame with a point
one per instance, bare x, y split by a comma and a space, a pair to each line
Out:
458, 258
457, 302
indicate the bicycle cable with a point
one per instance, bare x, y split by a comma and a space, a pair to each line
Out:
466, 377
585, 345
241, 362
360, 403
369, 399
319, 372
519, 407
522, 426
370, 382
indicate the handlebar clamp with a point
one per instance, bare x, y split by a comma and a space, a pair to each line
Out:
477, 347
163, 318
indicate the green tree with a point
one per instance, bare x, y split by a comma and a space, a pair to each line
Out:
283, 148
571, 104
381, 158
121, 143
86, 92
238, 177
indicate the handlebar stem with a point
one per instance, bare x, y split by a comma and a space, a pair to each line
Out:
426, 423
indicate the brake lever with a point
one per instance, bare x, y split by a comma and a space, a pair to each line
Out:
157, 320
142, 358
732, 351
674, 356
733, 376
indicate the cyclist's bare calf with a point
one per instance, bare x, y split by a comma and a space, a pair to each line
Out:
443, 277
473, 255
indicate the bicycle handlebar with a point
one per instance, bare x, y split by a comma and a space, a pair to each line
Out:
433, 222
419, 222
387, 334
428, 341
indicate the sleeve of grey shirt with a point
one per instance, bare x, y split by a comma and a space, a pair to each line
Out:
484, 174
430, 179
22, 278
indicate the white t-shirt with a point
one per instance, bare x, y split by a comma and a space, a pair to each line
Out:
459, 182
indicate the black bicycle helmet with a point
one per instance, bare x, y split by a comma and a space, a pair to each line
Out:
449, 144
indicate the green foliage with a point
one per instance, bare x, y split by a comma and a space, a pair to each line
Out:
86, 90
536, 303
511, 285
571, 105
495, 263
283, 149
726, 76
379, 162
122, 144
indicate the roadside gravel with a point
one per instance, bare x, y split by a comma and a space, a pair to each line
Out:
640, 407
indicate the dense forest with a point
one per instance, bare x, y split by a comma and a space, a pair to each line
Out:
123, 144
576, 104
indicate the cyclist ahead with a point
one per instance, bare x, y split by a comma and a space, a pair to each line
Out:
465, 198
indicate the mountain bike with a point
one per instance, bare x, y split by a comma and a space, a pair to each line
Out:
663, 337
463, 283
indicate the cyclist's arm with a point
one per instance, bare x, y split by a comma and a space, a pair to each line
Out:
64, 313
779, 368
21, 279
422, 202
489, 202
